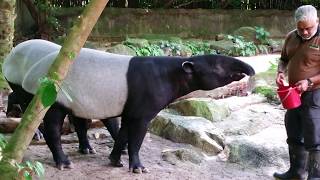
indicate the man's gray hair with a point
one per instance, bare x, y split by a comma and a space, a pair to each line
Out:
305, 13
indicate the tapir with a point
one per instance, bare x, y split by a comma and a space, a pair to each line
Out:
104, 85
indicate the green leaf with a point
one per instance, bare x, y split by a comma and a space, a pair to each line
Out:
48, 92
72, 55
27, 176
39, 169
55, 76
29, 164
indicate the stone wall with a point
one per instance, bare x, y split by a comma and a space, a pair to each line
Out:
195, 23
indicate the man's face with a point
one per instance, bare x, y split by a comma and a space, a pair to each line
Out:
307, 29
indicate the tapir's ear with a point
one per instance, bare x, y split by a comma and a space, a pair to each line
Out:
187, 66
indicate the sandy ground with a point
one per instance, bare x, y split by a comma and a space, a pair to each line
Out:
95, 166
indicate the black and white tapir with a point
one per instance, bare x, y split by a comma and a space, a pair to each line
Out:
104, 85
22, 98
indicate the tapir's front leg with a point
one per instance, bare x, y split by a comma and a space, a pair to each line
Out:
137, 131
53, 122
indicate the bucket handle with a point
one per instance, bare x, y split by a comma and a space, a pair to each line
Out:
287, 95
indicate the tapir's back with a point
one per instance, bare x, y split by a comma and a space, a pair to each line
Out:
96, 82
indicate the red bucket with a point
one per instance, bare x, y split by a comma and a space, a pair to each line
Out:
289, 96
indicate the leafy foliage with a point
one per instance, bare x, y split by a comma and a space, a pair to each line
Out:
45, 7
175, 48
200, 48
3, 143
262, 35
48, 92
267, 92
150, 50
28, 167
242, 47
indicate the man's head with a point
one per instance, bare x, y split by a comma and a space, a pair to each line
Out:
307, 21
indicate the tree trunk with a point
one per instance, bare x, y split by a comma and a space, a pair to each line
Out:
7, 16
18, 143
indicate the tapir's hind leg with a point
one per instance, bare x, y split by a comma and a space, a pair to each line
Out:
119, 144
81, 127
13, 106
53, 122
113, 126
22, 98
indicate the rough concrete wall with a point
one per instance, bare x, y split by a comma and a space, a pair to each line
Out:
123, 22
189, 23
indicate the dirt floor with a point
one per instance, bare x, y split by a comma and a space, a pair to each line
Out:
95, 166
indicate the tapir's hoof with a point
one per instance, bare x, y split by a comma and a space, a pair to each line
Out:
92, 151
68, 165
115, 163
140, 170
38, 135
87, 151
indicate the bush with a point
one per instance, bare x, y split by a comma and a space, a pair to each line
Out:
267, 92
241, 47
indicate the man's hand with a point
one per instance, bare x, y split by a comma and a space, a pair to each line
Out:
280, 78
302, 85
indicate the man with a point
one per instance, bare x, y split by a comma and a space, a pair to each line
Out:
300, 60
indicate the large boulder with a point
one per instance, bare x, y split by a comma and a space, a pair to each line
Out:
223, 46
248, 33
137, 42
261, 149
196, 131
202, 107
250, 120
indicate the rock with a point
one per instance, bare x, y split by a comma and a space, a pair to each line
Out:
185, 51
137, 42
196, 131
248, 33
260, 150
175, 156
222, 47
201, 107
219, 37
249, 120
276, 45
121, 49
263, 49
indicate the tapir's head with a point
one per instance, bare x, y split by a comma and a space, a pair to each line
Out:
212, 71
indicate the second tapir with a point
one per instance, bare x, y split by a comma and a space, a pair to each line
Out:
104, 85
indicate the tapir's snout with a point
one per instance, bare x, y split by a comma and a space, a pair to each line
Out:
251, 71
242, 67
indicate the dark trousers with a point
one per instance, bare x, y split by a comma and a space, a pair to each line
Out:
303, 123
